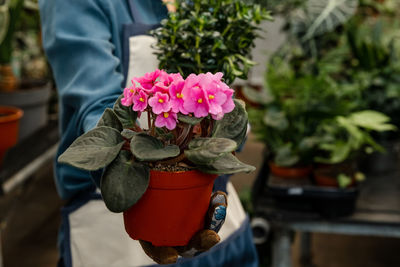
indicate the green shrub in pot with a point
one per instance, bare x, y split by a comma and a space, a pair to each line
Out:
209, 36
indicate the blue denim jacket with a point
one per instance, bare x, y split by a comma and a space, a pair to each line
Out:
83, 43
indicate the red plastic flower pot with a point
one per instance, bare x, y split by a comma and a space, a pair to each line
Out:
172, 209
9, 126
290, 172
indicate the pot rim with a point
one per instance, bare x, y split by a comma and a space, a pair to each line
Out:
12, 114
165, 180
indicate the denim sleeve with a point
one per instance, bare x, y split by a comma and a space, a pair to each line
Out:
77, 38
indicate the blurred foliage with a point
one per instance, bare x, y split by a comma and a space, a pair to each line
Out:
278, 6
342, 138
28, 52
21, 46
212, 36
10, 13
289, 121
341, 58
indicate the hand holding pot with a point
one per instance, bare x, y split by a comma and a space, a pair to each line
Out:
202, 241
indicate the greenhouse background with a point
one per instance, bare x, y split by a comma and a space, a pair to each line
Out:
321, 85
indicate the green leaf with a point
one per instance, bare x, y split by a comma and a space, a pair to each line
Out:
207, 150
128, 134
338, 152
285, 156
344, 180
93, 150
233, 125
4, 21
148, 148
110, 119
276, 119
321, 16
227, 164
257, 96
372, 120
124, 183
189, 119
126, 115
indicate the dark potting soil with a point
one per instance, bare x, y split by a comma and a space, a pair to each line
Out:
171, 168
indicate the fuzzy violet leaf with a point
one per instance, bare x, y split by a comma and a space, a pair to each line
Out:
94, 149
189, 119
148, 148
110, 119
127, 133
227, 164
124, 183
125, 114
207, 150
233, 125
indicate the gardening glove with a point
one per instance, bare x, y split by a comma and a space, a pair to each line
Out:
202, 241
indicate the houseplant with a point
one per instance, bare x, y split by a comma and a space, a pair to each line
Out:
209, 36
23, 77
341, 140
292, 107
10, 13
194, 127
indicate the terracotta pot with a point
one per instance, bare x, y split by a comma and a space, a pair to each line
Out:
325, 174
172, 209
9, 126
8, 81
290, 172
325, 180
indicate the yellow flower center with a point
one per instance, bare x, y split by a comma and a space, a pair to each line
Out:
200, 100
211, 97
178, 95
141, 99
160, 100
132, 91
166, 114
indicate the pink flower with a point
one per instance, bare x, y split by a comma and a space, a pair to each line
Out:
140, 101
219, 88
167, 119
166, 79
218, 116
160, 103
128, 94
148, 80
160, 87
194, 96
215, 96
175, 92
228, 105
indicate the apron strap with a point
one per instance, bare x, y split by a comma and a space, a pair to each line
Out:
139, 10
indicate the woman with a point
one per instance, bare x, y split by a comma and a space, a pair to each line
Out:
93, 46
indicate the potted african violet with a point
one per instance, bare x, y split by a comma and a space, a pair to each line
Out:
158, 175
